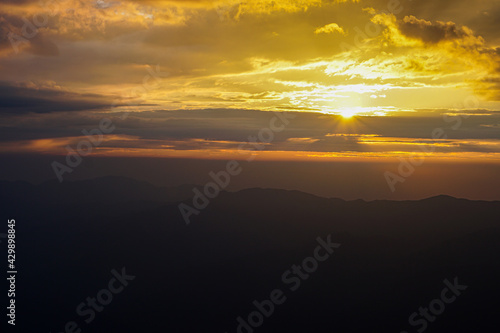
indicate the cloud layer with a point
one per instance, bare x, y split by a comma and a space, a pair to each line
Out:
396, 66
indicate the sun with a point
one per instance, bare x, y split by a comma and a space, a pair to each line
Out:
347, 113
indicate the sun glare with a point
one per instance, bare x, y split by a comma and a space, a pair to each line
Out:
347, 113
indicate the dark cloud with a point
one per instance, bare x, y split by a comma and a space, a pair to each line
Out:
18, 33
8, 24
22, 99
17, 2
432, 32
227, 128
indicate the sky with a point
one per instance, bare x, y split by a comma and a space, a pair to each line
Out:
359, 81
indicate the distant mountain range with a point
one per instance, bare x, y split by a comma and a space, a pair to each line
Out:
392, 259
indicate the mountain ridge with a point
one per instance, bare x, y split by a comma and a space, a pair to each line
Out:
149, 191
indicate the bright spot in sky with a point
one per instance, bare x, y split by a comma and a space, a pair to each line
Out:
347, 112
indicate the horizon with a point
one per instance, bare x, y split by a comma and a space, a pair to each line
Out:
229, 191
341, 179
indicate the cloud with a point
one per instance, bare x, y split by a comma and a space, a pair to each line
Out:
252, 54
330, 28
225, 129
17, 2
28, 98
435, 32
19, 34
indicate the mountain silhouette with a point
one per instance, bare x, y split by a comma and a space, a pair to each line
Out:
392, 259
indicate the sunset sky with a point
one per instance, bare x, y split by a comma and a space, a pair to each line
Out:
366, 80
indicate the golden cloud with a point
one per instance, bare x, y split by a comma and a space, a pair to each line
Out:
330, 28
